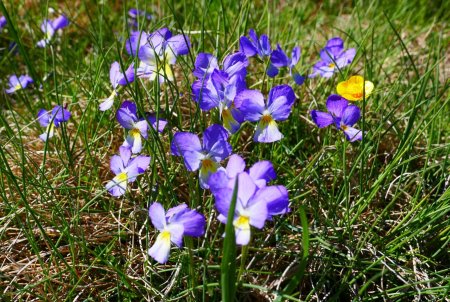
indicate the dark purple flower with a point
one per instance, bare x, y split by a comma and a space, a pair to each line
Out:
160, 53
279, 59
17, 83
217, 88
52, 119
332, 58
137, 127
178, 222
341, 114
117, 77
253, 108
126, 170
204, 156
49, 27
253, 205
255, 46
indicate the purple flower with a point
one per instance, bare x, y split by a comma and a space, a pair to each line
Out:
217, 88
52, 119
253, 205
253, 108
332, 58
279, 59
135, 13
137, 127
3, 22
49, 27
343, 115
255, 46
178, 222
126, 170
204, 157
136, 40
160, 53
157, 123
261, 172
17, 83
117, 77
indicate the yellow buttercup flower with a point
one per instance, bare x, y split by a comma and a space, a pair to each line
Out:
352, 89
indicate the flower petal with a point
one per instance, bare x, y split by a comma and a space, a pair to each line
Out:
185, 141
251, 104
281, 100
157, 216
267, 132
322, 119
336, 105
351, 115
262, 172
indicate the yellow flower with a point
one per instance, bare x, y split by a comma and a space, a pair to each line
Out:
352, 89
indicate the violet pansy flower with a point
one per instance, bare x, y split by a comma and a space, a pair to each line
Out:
136, 40
117, 77
49, 27
137, 128
205, 156
254, 109
17, 83
254, 46
126, 170
341, 114
160, 53
52, 119
332, 58
253, 205
279, 59
173, 225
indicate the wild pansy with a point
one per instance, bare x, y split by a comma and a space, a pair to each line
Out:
332, 58
49, 27
205, 156
117, 77
2, 22
341, 114
52, 119
261, 172
17, 83
157, 123
137, 127
254, 46
253, 205
178, 222
253, 108
217, 88
355, 88
160, 53
279, 59
126, 170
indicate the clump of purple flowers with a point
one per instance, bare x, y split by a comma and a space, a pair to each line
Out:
340, 113
255, 46
217, 88
333, 57
52, 119
178, 222
49, 28
279, 59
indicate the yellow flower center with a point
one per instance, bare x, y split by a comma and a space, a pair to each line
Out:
344, 127
165, 236
207, 164
242, 222
266, 119
331, 65
135, 132
17, 87
121, 177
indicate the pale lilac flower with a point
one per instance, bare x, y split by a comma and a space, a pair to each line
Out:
126, 170
52, 119
49, 27
178, 222
17, 83
117, 77
137, 127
